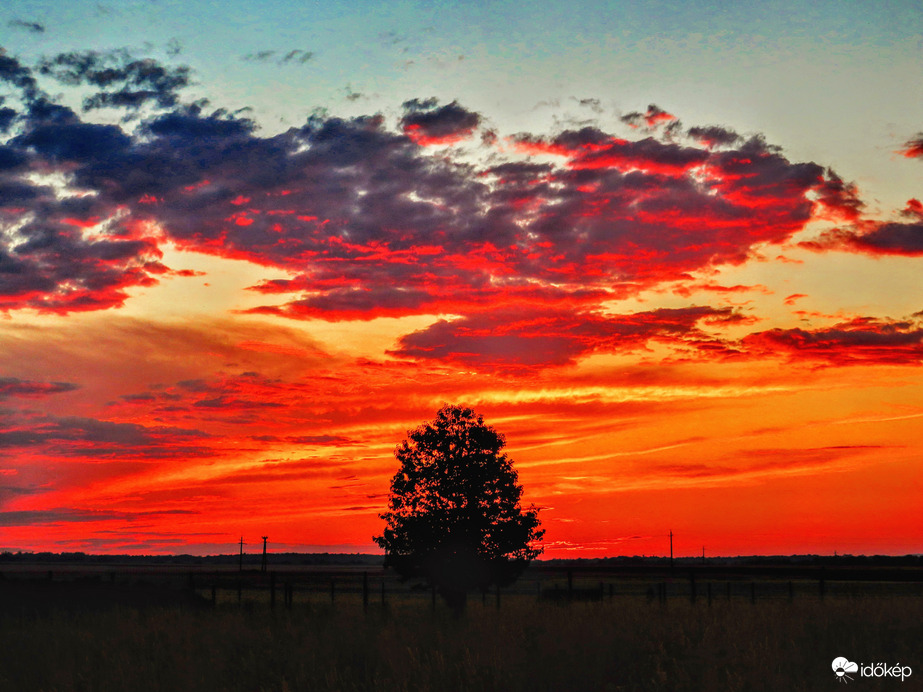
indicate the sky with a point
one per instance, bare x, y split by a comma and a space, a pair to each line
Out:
671, 250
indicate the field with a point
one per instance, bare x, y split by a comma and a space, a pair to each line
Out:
107, 631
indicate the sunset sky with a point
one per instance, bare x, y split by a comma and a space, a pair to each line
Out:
672, 250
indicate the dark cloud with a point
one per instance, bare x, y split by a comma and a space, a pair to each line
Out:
839, 199
31, 27
48, 261
125, 81
778, 461
296, 56
892, 239
7, 118
247, 398
325, 440
653, 117
516, 339
913, 148
12, 492
50, 266
426, 122
877, 237
715, 136
647, 154
12, 386
259, 56
227, 403
60, 142
61, 515
91, 438
352, 95
593, 104
365, 219
15, 74
861, 341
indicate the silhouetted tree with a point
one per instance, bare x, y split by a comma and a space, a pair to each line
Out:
454, 514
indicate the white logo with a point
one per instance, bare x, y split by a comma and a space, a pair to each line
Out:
841, 667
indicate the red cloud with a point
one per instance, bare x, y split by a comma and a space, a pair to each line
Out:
839, 199
714, 136
511, 340
91, 439
861, 341
12, 386
913, 148
689, 289
452, 295
653, 117
373, 223
878, 237
427, 123
246, 397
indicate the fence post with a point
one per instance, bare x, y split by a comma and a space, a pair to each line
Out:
365, 592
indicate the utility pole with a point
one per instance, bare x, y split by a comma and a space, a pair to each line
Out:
703, 554
263, 566
671, 548
241, 554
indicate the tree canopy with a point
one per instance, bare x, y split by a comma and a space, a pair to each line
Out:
454, 514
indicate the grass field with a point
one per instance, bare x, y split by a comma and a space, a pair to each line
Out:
625, 643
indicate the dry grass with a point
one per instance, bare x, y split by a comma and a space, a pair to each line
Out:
624, 644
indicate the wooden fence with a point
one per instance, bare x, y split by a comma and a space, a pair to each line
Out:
287, 587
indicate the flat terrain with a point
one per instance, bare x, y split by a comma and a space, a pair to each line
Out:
148, 628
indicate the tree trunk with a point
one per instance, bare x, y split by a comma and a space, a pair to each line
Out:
456, 599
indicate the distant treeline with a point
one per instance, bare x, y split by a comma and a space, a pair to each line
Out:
255, 560
249, 559
746, 560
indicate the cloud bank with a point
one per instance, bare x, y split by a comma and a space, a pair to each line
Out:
517, 242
